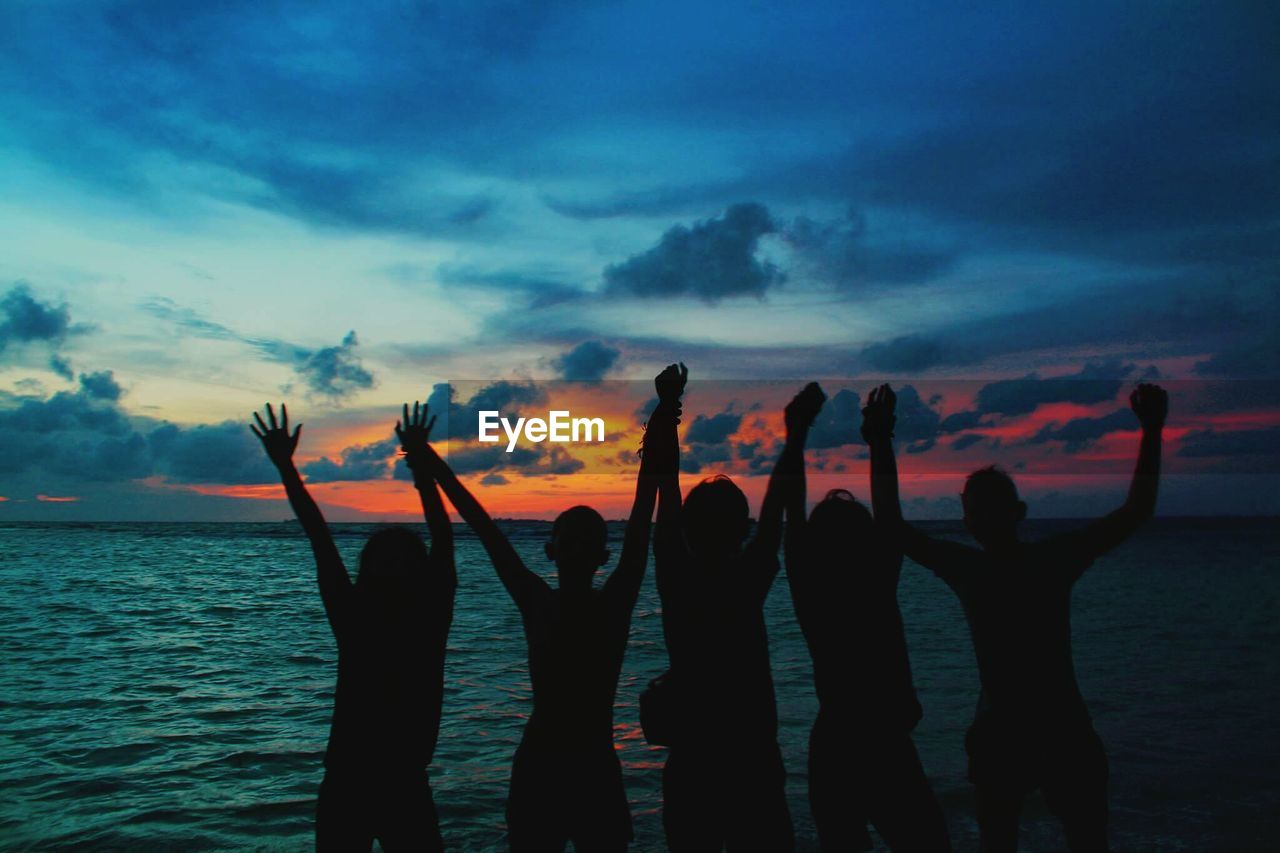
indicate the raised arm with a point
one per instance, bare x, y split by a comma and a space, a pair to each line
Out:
522, 584
656, 464
331, 574
789, 472
662, 439
1151, 404
414, 433
937, 555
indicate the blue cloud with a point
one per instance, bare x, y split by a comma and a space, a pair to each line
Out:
1078, 433
589, 361
712, 260
1093, 383
335, 372
371, 461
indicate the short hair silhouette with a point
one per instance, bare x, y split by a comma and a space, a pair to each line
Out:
580, 528
990, 486
716, 515
391, 557
839, 513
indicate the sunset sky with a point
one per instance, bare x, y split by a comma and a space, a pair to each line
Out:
349, 207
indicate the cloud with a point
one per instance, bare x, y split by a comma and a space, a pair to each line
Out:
1094, 383
225, 452
1078, 433
715, 429
838, 421
101, 385
905, 354
458, 421
538, 460
967, 440
589, 361
960, 421
838, 250
1249, 358
712, 260
707, 441
87, 435
695, 457
371, 461
918, 420
23, 319
1242, 442
26, 320
67, 411
542, 290
335, 372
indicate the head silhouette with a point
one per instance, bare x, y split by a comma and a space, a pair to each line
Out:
716, 517
578, 539
842, 533
390, 561
992, 509
840, 520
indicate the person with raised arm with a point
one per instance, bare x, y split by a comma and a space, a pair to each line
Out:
391, 626
843, 570
1032, 728
566, 779
724, 781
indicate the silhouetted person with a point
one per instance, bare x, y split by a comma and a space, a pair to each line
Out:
843, 570
391, 626
566, 779
1032, 729
723, 784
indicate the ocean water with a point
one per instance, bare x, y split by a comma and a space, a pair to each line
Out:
169, 686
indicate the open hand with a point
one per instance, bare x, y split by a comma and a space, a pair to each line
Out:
803, 408
276, 438
670, 382
878, 418
414, 431
1151, 404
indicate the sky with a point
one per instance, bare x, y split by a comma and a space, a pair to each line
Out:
1014, 212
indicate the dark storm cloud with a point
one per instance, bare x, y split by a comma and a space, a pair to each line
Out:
589, 361
712, 260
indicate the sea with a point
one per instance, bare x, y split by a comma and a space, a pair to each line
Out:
169, 686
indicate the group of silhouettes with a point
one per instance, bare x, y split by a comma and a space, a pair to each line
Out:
723, 784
